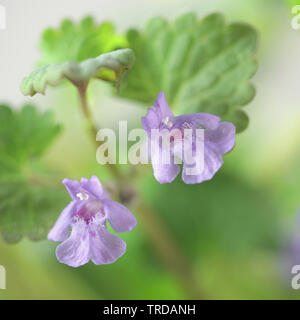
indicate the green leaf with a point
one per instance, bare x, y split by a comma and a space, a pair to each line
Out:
108, 66
28, 201
24, 136
239, 118
203, 66
28, 210
78, 42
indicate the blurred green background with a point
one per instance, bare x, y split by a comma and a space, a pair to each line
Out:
232, 229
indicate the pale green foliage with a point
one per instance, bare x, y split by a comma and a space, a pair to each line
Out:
28, 204
203, 66
77, 42
108, 66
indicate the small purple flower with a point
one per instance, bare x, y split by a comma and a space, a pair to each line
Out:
87, 214
219, 138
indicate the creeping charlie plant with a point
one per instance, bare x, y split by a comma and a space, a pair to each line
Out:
196, 140
190, 137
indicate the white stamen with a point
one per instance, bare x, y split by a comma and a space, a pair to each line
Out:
166, 121
82, 196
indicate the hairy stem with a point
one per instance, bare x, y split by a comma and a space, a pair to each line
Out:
163, 243
82, 88
91, 127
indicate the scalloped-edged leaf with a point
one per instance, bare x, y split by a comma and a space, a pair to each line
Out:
28, 201
28, 210
203, 66
24, 135
108, 66
78, 41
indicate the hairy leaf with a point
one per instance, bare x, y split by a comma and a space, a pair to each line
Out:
28, 202
28, 210
24, 136
78, 42
203, 66
108, 66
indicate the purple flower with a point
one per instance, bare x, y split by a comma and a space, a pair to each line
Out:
87, 214
218, 138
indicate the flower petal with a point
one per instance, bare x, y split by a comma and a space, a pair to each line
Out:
75, 251
162, 106
120, 218
105, 248
212, 163
163, 172
223, 137
151, 120
73, 187
60, 231
93, 186
206, 120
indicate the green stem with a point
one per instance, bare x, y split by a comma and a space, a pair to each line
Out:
91, 127
163, 243
82, 88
